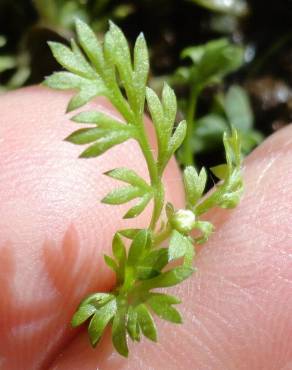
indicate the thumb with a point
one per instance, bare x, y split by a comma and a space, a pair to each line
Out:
238, 308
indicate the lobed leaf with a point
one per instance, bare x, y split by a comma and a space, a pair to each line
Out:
101, 120
206, 229
139, 207
231, 199
141, 243
110, 139
89, 117
146, 322
129, 233
232, 149
85, 136
163, 116
119, 331
132, 178
116, 48
141, 71
82, 314
123, 195
133, 327
117, 54
128, 176
88, 91
100, 320
194, 184
69, 60
89, 306
152, 264
90, 45
180, 246
164, 298
156, 110
81, 60
97, 299
119, 249
167, 279
88, 88
177, 138
64, 81
169, 105
164, 310
111, 263
228, 193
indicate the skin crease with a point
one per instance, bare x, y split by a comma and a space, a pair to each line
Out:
53, 231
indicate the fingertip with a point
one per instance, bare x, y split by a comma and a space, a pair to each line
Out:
52, 216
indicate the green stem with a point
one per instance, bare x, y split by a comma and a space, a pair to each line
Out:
155, 177
122, 106
187, 152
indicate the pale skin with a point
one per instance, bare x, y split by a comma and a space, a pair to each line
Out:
237, 308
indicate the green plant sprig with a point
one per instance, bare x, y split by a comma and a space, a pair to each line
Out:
210, 63
109, 70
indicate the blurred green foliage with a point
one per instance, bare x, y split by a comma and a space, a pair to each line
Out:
210, 64
238, 8
231, 109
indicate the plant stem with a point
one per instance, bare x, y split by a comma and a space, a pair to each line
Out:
187, 152
155, 177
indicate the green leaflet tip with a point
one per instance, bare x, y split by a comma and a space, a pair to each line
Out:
141, 36
45, 82
128, 216
107, 173
70, 108
93, 342
166, 85
52, 43
85, 155
112, 25
104, 199
68, 139
78, 22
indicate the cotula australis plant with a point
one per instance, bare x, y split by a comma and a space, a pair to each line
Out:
109, 70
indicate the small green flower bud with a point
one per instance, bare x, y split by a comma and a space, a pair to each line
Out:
183, 221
